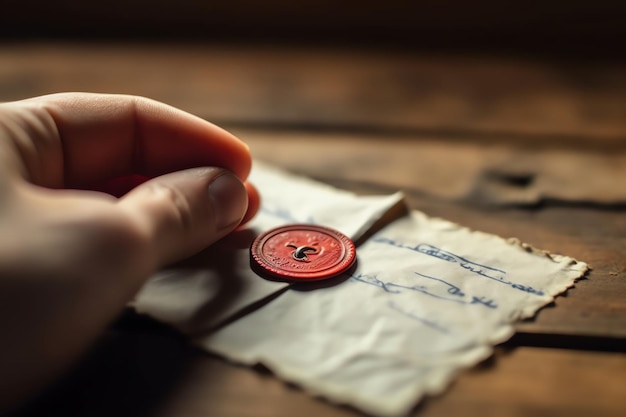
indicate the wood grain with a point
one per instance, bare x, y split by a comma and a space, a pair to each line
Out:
459, 96
137, 370
489, 174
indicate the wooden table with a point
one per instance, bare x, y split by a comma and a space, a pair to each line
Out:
519, 147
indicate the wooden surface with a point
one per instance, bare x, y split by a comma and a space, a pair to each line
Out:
462, 97
519, 147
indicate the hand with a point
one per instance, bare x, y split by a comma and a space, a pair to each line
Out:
70, 259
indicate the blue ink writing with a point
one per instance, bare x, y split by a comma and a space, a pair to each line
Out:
450, 292
489, 272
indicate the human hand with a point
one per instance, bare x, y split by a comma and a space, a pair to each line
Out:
70, 258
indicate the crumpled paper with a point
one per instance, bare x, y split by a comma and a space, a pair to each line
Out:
218, 284
427, 299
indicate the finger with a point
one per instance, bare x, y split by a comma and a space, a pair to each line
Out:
254, 202
121, 186
98, 137
183, 212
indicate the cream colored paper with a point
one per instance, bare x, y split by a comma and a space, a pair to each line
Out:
428, 299
217, 284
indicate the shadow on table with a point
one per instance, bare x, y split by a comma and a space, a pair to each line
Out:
130, 372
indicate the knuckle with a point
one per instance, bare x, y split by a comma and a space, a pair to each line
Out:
99, 241
117, 239
177, 211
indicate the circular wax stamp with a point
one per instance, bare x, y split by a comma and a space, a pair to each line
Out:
302, 252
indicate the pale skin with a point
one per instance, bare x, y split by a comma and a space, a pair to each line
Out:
71, 258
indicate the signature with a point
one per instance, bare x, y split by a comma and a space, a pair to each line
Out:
441, 289
489, 272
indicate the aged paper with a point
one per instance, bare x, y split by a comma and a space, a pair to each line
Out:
428, 299
218, 284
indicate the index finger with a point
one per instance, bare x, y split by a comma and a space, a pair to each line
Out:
105, 136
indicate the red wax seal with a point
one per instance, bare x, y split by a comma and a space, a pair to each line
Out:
302, 252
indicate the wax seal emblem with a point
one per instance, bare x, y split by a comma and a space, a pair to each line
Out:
302, 252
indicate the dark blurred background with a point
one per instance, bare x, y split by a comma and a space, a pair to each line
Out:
554, 27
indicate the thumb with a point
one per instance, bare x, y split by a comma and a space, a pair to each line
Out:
183, 212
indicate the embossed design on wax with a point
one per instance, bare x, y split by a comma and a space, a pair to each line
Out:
300, 252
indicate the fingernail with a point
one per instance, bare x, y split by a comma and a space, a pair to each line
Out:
230, 200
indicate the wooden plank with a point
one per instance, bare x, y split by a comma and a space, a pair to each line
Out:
480, 97
530, 381
140, 371
460, 171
